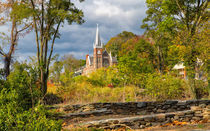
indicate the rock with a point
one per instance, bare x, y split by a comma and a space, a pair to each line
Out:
208, 106
202, 105
186, 119
142, 126
171, 110
206, 117
192, 102
198, 112
148, 124
161, 111
135, 126
144, 112
196, 118
160, 118
115, 122
176, 117
149, 118
141, 104
119, 111
165, 107
171, 102
198, 115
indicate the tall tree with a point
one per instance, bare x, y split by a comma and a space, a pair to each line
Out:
115, 43
181, 20
159, 26
48, 16
19, 27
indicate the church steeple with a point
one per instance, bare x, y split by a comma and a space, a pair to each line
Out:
97, 43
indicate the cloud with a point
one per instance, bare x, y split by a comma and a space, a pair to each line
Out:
113, 17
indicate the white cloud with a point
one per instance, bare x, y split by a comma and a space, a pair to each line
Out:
113, 17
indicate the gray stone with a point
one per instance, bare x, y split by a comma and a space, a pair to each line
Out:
141, 104
171, 102
161, 111
149, 118
198, 115
196, 118
176, 117
148, 124
142, 126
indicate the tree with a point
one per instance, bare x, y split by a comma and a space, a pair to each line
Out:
48, 16
137, 61
181, 21
161, 27
115, 43
19, 27
55, 70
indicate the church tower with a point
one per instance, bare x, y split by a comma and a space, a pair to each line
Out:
97, 54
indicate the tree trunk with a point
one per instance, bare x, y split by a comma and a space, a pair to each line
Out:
44, 78
160, 61
7, 62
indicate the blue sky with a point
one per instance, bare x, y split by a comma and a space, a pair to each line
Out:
113, 17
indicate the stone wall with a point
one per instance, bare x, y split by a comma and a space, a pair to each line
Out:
132, 108
198, 113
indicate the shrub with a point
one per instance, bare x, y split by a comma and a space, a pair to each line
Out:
19, 98
164, 87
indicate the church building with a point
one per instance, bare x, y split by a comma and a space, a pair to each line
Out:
101, 58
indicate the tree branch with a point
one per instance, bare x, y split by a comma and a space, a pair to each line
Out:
52, 46
26, 27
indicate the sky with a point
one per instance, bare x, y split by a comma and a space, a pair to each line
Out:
113, 17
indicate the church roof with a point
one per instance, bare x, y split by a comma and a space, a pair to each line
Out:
97, 43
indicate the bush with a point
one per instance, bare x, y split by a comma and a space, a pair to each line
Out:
165, 87
19, 97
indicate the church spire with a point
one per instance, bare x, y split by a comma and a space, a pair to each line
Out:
97, 43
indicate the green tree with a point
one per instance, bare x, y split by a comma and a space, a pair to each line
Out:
18, 27
115, 43
48, 17
137, 62
161, 27
55, 70
181, 21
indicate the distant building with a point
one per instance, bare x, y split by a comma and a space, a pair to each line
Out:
180, 70
182, 73
101, 58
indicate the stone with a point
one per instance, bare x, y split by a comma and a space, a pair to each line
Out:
196, 118
119, 111
208, 106
148, 124
142, 122
192, 102
161, 111
171, 110
160, 118
148, 118
144, 112
191, 115
135, 126
186, 119
141, 104
166, 107
115, 122
206, 117
202, 105
198, 115
171, 102
176, 117
142, 126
